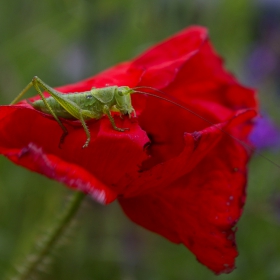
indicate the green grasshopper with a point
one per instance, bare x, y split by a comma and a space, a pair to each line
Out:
92, 104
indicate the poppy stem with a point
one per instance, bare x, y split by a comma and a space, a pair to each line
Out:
45, 245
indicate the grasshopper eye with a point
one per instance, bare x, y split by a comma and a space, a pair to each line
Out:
89, 96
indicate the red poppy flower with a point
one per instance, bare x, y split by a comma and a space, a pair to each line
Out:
172, 172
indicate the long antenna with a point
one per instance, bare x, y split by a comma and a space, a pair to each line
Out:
250, 148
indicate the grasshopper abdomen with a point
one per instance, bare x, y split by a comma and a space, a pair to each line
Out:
84, 100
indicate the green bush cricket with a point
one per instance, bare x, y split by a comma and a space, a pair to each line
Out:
92, 104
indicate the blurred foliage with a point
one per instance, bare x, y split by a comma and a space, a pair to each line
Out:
65, 41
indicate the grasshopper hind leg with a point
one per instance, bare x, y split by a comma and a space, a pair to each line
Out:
62, 138
36, 83
22, 93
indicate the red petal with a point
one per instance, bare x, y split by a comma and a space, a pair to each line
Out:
190, 70
163, 61
203, 202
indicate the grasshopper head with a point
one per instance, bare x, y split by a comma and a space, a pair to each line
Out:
123, 100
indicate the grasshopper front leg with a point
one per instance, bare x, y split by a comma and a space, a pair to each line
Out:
106, 111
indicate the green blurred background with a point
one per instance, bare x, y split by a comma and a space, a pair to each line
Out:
65, 41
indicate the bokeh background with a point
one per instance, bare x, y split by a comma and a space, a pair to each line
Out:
65, 41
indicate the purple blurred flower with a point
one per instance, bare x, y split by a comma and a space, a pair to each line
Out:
266, 134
